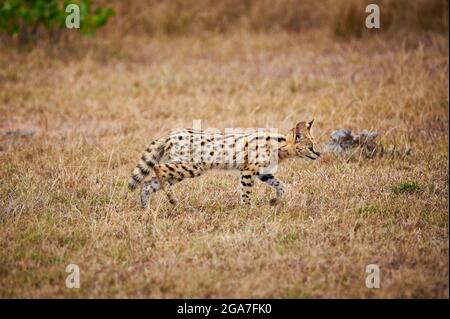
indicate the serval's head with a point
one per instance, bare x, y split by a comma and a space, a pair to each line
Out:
302, 141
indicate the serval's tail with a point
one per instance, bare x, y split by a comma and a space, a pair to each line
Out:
150, 158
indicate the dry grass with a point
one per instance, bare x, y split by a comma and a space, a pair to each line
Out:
345, 19
63, 194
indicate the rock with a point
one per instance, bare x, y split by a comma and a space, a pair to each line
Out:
343, 140
20, 133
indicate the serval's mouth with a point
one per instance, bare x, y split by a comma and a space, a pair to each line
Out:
312, 158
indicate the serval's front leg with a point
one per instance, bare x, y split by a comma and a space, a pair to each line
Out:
247, 179
274, 183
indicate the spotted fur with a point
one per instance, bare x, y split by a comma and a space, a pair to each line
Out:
189, 153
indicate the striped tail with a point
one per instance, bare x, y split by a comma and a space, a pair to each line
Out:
150, 158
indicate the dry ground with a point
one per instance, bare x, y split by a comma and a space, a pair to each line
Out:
63, 193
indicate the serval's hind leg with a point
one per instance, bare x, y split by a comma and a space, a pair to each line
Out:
149, 187
247, 179
169, 174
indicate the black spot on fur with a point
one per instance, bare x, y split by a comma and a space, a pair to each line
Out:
265, 177
151, 163
143, 169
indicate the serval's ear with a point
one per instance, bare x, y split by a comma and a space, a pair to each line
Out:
310, 123
299, 131
300, 127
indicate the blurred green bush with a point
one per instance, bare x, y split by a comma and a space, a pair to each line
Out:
27, 20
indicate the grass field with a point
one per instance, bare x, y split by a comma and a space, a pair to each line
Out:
64, 196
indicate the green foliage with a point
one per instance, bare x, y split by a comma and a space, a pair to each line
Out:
92, 21
26, 19
407, 188
368, 210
